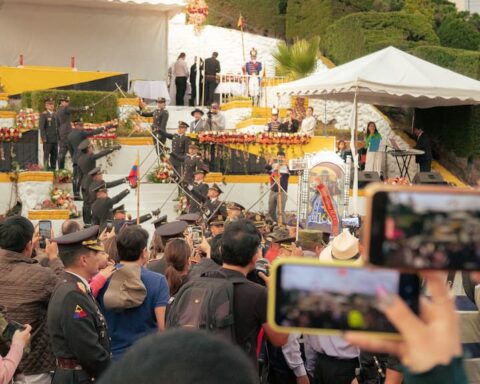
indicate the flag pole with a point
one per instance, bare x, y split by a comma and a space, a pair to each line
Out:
241, 22
138, 187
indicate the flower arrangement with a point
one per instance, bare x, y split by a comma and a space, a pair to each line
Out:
9, 135
60, 199
397, 181
197, 12
182, 205
27, 120
110, 129
163, 174
268, 138
63, 176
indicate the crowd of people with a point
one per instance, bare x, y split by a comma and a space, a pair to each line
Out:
111, 306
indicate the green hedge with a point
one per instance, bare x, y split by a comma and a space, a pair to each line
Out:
308, 18
458, 60
457, 33
359, 34
262, 17
106, 110
457, 128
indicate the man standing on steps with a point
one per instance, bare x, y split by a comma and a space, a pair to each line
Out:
102, 208
180, 144
199, 191
75, 137
160, 119
212, 68
87, 161
64, 117
96, 179
49, 133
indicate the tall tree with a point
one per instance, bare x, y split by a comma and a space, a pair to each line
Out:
423, 7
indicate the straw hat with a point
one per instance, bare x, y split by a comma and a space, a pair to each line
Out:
344, 247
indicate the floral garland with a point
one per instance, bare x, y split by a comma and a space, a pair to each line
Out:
212, 137
197, 12
163, 174
60, 199
110, 129
26, 119
10, 135
182, 205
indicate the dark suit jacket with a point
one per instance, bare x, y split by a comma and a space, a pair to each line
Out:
102, 209
212, 67
423, 144
48, 126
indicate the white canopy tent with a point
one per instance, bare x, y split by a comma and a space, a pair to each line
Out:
388, 77
129, 36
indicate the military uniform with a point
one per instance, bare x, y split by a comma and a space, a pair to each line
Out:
180, 144
78, 330
199, 193
64, 117
191, 164
160, 119
48, 127
87, 162
102, 208
90, 195
75, 137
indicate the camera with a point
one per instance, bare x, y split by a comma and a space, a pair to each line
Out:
209, 114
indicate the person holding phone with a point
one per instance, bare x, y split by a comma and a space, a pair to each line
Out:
9, 363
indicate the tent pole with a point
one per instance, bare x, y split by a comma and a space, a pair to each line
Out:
355, 156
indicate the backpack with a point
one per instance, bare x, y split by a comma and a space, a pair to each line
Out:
205, 302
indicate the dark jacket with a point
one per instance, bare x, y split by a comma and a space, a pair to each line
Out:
76, 136
160, 119
213, 208
190, 165
86, 163
64, 118
423, 144
26, 288
180, 144
102, 209
92, 195
212, 67
48, 126
199, 193
77, 328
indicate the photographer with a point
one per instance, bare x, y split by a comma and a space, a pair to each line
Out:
26, 291
215, 119
279, 175
9, 363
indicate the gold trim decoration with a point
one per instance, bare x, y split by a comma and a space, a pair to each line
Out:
8, 114
236, 104
5, 177
135, 140
49, 214
243, 179
35, 176
3, 96
128, 101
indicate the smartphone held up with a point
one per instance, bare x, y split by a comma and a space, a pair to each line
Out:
308, 296
423, 227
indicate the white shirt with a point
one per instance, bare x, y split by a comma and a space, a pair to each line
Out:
293, 355
308, 125
218, 121
180, 68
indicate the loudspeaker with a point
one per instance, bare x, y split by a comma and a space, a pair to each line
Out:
429, 178
367, 177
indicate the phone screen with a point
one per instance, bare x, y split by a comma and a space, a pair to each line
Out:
425, 229
319, 297
45, 228
197, 235
109, 226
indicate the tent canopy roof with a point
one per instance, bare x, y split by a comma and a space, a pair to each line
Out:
389, 77
150, 5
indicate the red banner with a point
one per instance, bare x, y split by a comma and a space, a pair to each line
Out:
329, 207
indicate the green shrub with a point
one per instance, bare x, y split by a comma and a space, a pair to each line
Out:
462, 61
308, 18
454, 128
262, 17
359, 34
457, 33
105, 110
